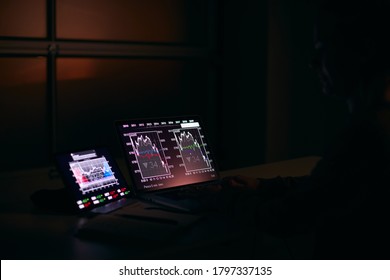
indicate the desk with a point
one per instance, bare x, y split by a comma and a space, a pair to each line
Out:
29, 234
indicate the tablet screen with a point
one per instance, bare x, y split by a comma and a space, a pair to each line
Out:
93, 177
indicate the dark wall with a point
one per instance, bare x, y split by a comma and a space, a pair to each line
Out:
242, 84
272, 104
300, 119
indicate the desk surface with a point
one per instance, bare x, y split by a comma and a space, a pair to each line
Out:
30, 234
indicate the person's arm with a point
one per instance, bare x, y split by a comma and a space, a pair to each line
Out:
273, 187
289, 210
279, 186
280, 205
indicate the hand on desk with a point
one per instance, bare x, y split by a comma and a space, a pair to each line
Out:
241, 182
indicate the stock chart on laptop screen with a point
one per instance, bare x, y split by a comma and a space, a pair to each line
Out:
166, 153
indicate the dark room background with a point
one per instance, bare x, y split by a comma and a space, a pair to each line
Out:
69, 69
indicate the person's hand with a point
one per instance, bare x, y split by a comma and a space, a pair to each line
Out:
241, 182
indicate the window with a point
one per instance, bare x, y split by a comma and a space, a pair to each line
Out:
70, 68
89, 90
24, 127
21, 18
157, 21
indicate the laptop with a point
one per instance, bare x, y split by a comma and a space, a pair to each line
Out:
169, 159
94, 180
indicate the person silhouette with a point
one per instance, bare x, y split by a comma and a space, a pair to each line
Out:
344, 200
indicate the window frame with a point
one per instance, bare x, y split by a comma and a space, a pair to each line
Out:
52, 48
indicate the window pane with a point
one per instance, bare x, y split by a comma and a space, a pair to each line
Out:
24, 130
175, 21
23, 18
93, 93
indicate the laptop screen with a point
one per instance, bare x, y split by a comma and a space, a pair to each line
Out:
93, 177
166, 153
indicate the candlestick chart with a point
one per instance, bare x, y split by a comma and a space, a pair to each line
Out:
192, 150
149, 154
